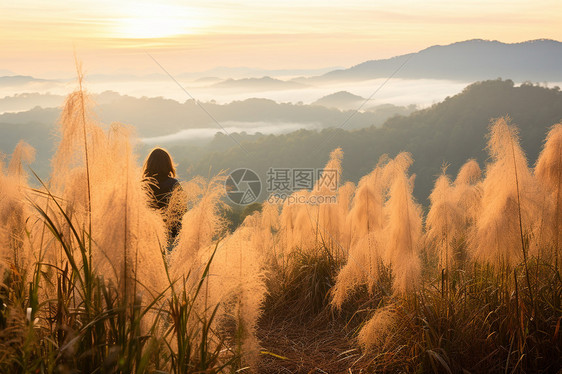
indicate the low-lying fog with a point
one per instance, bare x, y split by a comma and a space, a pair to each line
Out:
230, 127
421, 92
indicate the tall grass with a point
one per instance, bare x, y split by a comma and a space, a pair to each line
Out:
503, 307
549, 173
403, 230
365, 223
87, 282
481, 292
509, 202
444, 226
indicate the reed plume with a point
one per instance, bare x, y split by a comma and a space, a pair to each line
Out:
548, 171
366, 214
365, 221
377, 330
266, 225
237, 284
298, 223
508, 201
98, 181
468, 192
345, 197
128, 234
444, 221
403, 229
326, 217
201, 225
15, 250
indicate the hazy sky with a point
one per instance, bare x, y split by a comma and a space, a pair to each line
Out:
38, 37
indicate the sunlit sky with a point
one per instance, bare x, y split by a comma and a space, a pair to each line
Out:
39, 37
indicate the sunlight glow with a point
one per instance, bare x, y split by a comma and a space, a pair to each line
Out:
158, 21
268, 34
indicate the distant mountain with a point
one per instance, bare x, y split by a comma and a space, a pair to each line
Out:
340, 100
347, 101
224, 72
158, 116
471, 60
26, 101
208, 80
254, 84
43, 116
124, 77
389, 110
17, 80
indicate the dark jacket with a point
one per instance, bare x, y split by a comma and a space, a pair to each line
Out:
162, 190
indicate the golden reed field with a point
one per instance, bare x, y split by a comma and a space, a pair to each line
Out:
371, 283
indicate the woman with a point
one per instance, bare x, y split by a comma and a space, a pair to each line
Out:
166, 193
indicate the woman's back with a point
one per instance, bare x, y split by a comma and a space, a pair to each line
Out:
166, 194
162, 191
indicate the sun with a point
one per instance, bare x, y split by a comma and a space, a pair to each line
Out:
147, 21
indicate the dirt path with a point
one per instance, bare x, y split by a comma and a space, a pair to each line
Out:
291, 347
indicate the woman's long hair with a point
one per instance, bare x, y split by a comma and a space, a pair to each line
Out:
159, 165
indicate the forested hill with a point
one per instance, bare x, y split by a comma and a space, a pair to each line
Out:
449, 132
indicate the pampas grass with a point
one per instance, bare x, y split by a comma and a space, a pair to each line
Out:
468, 192
15, 249
237, 283
201, 225
327, 218
509, 199
84, 257
444, 221
402, 233
549, 173
364, 223
376, 331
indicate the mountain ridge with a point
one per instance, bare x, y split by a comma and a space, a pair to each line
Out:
474, 60
264, 83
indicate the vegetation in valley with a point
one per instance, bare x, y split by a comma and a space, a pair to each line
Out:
451, 131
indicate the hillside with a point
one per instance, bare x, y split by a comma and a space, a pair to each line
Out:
536, 61
449, 132
258, 84
26, 101
341, 100
16, 80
